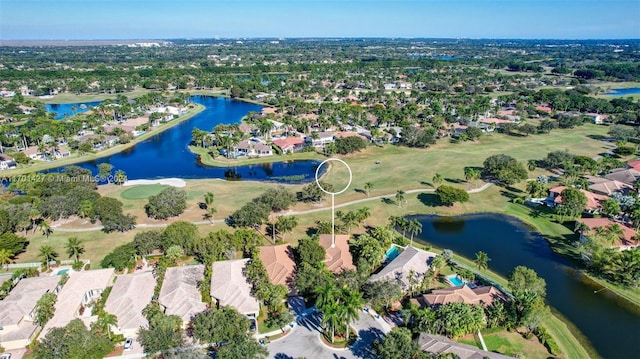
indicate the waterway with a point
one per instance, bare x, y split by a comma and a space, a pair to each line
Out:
609, 323
167, 154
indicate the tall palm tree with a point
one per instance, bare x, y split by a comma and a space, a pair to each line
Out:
368, 187
74, 248
286, 224
6, 257
105, 321
350, 307
481, 260
400, 197
615, 233
362, 214
47, 253
325, 294
415, 227
331, 317
46, 228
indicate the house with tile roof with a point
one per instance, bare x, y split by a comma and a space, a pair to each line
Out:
278, 261
593, 200
411, 260
77, 297
130, 294
229, 287
289, 144
484, 296
180, 293
338, 257
628, 240
17, 310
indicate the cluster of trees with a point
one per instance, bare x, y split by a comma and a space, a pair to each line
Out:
270, 294
504, 169
73, 341
170, 202
255, 213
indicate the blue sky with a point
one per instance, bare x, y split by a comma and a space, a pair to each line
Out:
163, 19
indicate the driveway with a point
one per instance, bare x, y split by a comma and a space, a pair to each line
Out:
304, 341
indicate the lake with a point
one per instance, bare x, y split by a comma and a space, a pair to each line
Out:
64, 110
610, 324
624, 91
167, 154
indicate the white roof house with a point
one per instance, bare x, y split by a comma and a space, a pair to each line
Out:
179, 294
411, 259
81, 289
17, 309
130, 294
230, 287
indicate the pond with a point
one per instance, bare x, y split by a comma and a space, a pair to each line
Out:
624, 91
167, 155
611, 325
64, 110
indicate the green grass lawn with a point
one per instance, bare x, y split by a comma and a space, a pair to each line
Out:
142, 191
508, 343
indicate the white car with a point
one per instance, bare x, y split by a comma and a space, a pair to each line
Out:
128, 344
5, 356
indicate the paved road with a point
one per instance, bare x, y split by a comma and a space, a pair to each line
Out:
289, 213
304, 340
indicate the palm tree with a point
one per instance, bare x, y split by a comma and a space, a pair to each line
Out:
85, 209
350, 307
105, 321
362, 214
437, 179
481, 260
415, 227
325, 294
581, 227
368, 187
331, 317
400, 197
208, 198
531, 165
46, 228
6, 257
615, 233
74, 248
47, 253
286, 224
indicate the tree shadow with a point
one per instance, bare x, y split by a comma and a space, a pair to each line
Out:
282, 356
425, 183
455, 180
429, 199
387, 200
508, 194
362, 348
598, 137
513, 189
359, 190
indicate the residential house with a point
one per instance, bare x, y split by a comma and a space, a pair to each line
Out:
337, 257
253, 148
628, 176
593, 200
229, 287
634, 165
278, 261
607, 187
437, 344
180, 293
320, 139
6, 162
544, 108
18, 308
268, 111
496, 122
130, 294
411, 261
484, 296
627, 242
33, 152
61, 152
77, 297
289, 144
595, 118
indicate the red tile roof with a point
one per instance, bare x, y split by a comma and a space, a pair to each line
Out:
594, 223
338, 258
288, 142
593, 199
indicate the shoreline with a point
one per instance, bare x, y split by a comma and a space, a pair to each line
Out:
206, 159
42, 166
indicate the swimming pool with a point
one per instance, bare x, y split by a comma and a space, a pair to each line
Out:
392, 253
63, 272
455, 280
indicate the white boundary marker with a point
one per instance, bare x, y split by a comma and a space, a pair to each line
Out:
333, 206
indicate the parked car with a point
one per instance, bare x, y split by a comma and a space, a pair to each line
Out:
5, 356
128, 344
